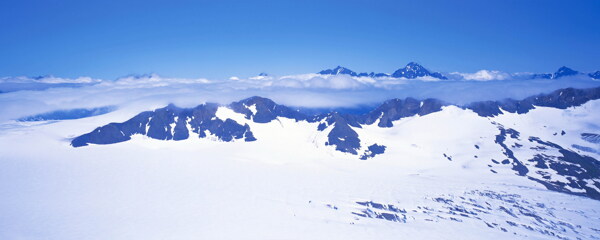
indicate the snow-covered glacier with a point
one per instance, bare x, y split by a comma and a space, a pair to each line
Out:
255, 169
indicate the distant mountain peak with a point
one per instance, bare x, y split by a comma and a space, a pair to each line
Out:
563, 72
257, 100
42, 77
338, 70
564, 68
413, 65
263, 74
595, 75
414, 70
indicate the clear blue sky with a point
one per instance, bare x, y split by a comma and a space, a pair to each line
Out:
218, 39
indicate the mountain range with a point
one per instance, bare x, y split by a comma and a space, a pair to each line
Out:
414, 70
561, 72
345, 133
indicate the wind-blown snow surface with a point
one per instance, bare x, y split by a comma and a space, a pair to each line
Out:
435, 181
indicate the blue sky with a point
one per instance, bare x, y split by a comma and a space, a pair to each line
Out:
218, 39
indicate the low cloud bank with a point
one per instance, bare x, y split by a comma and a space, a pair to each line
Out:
29, 96
482, 75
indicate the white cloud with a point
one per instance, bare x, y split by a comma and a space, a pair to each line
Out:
65, 80
261, 78
310, 81
289, 82
49, 80
153, 80
334, 82
483, 75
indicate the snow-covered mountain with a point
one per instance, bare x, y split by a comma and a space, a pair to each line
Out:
256, 169
413, 70
570, 168
338, 70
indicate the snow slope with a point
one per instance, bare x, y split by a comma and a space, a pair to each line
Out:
435, 181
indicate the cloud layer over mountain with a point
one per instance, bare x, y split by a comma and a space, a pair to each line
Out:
23, 96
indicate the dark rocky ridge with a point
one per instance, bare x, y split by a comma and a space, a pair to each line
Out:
396, 109
581, 174
168, 123
171, 122
561, 99
573, 166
